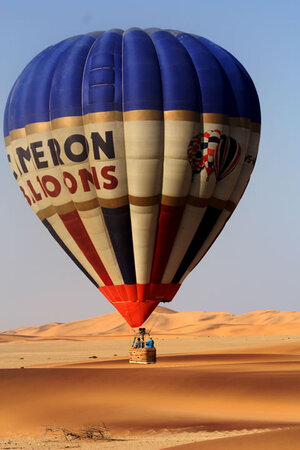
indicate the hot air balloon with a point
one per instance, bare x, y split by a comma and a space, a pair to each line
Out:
133, 148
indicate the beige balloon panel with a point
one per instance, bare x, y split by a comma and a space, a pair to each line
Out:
150, 159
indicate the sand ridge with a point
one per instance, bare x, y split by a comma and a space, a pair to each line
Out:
284, 439
165, 321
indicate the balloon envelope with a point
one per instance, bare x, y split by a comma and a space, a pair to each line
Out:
133, 148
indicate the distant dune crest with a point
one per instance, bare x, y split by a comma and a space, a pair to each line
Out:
165, 321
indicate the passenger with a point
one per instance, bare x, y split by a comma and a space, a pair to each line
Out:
138, 343
150, 343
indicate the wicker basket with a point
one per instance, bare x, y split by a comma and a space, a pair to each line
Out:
142, 355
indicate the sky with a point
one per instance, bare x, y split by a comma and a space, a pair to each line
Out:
254, 264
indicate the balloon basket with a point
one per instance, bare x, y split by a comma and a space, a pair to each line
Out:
142, 355
139, 353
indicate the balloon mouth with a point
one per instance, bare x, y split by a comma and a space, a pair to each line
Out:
136, 313
136, 302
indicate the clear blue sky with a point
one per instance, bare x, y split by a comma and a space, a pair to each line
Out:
254, 264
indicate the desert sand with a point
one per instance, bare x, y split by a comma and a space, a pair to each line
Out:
214, 386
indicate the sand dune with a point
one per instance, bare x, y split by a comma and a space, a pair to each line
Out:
225, 391
221, 382
164, 321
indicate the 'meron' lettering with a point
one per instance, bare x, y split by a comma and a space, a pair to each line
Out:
51, 151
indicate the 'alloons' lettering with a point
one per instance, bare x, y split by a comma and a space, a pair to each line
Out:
83, 180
